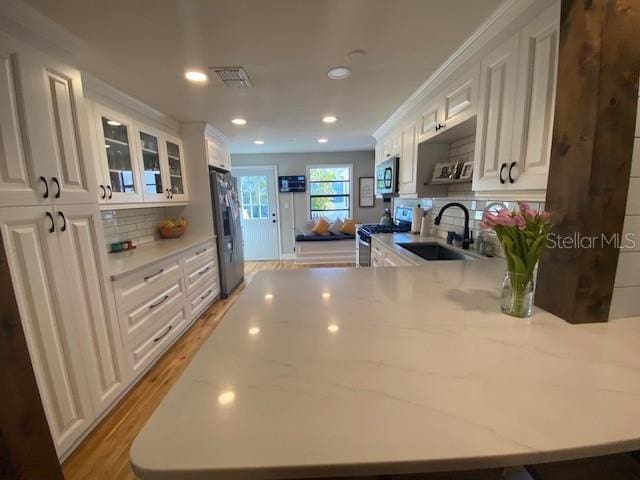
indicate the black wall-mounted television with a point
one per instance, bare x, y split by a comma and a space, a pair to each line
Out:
292, 183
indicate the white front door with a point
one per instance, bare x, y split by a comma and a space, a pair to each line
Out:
258, 197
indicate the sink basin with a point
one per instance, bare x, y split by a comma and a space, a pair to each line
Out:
433, 251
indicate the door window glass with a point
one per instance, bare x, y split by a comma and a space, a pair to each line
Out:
254, 198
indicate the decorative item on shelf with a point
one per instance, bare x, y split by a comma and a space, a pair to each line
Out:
523, 234
386, 218
173, 228
466, 172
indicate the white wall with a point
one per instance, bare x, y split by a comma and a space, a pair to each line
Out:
626, 293
296, 164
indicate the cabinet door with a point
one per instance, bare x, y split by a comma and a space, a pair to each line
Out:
535, 100
430, 119
460, 99
495, 116
155, 187
407, 168
37, 271
81, 243
116, 142
20, 182
59, 132
176, 172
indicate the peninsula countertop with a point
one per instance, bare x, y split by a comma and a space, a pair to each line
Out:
339, 372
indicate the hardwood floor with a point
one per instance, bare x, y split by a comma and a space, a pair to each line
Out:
104, 454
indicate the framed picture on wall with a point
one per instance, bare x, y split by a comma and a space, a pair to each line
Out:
367, 194
467, 171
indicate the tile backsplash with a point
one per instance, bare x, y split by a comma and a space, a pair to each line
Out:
453, 218
137, 224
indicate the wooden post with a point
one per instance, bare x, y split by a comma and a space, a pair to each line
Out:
595, 115
27, 451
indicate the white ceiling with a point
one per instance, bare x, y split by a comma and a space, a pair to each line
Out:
143, 47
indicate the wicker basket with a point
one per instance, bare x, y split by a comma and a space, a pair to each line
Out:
172, 232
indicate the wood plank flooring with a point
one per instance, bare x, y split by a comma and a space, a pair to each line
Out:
104, 454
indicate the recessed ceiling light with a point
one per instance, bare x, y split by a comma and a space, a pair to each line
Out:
333, 328
329, 119
113, 123
259, 142
227, 397
269, 296
322, 140
239, 121
254, 330
338, 73
196, 76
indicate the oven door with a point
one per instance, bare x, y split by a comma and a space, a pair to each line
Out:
364, 251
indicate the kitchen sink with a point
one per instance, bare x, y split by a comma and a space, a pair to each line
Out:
433, 251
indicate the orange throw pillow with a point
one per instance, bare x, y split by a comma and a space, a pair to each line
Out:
322, 227
348, 227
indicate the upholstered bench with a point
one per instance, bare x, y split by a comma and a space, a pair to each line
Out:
323, 249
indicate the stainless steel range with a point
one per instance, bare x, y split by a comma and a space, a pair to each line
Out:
400, 225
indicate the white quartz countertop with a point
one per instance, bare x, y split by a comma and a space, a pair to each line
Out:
370, 371
123, 263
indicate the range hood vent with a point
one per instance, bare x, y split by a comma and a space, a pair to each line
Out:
236, 77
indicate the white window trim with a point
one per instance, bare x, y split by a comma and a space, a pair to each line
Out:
330, 165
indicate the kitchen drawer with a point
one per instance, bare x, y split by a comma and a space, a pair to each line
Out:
394, 260
202, 298
143, 316
204, 275
196, 257
145, 283
145, 349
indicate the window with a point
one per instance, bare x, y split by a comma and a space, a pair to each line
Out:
329, 191
254, 198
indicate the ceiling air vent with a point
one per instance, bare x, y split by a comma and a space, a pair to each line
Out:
233, 76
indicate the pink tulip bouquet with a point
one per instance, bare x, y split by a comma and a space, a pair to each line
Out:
522, 233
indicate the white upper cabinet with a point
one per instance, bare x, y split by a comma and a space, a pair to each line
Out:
535, 102
155, 187
117, 169
495, 116
44, 141
408, 158
136, 163
175, 169
218, 155
460, 99
430, 120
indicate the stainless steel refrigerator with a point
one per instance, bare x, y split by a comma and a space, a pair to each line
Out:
226, 217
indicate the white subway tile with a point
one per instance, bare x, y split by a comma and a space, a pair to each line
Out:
631, 231
625, 302
633, 200
635, 163
628, 272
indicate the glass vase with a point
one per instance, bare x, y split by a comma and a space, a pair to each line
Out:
517, 294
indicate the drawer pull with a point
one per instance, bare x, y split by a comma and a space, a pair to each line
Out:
207, 293
157, 339
202, 272
162, 300
149, 277
201, 251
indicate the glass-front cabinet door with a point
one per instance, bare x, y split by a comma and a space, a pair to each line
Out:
154, 186
177, 183
118, 171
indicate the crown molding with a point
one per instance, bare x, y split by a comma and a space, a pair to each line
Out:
493, 26
217, 134
100, 91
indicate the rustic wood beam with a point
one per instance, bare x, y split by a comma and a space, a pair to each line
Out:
595, 116
27, 451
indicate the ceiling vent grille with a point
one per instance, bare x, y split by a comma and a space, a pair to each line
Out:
236, 77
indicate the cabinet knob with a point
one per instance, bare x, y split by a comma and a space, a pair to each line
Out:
513, 164
46, 187
104, 192
502, 167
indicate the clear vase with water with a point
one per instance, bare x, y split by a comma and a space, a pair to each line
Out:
517, 294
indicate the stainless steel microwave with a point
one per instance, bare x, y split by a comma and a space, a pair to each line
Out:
387, 177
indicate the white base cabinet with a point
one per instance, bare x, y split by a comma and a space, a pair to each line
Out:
156, 304
65, 313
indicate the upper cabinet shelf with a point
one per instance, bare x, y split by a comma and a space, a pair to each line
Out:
136, 163
508, 94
